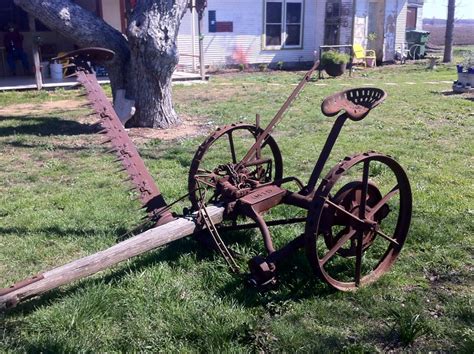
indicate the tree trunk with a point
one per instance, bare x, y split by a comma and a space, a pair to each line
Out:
448, 42
143, 64
152, 33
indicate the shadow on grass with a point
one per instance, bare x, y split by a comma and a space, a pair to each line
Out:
466, 96
45, 126
18, 144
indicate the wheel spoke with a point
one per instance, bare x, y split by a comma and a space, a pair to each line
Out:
358, 265
384, 201
205, 180
365, 186
201, 170
388, 238
341, 209
232, 148
336, 247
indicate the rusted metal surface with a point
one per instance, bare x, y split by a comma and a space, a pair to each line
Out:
279, 115
357, 102
349, 219
222, 186
363, 217
115, 134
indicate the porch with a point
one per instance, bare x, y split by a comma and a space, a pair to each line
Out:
29, 82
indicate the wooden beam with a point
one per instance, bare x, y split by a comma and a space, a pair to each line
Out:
201, 48
81, 268
36, 56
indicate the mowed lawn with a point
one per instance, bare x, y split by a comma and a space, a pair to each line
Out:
61, 198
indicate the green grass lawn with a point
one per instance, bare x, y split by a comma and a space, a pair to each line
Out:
60, 199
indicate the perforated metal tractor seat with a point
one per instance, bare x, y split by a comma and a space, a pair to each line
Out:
357, 102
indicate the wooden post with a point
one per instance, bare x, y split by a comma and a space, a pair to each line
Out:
96, 262
193, 33
36, 57
201, 48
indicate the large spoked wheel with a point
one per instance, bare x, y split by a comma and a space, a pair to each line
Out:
224, 149
355, 235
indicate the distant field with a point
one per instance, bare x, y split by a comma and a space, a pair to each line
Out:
463, 34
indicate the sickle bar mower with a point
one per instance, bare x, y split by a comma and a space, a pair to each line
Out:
357, 215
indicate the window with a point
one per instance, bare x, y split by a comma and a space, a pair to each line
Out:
283, 24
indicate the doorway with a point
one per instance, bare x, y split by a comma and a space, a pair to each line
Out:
375, 28
332, 22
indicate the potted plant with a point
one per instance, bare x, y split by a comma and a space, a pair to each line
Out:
371, 38
334, 62
465, 81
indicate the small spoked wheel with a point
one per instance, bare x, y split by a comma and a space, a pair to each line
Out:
217, 156
415, 52
358, 221
349, 197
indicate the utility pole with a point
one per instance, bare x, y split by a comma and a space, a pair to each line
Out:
448, 40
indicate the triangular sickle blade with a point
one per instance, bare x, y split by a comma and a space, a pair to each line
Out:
123, 147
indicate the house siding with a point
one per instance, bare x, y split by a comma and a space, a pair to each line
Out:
244, 45
111, 13
360, 25
395, 25
419, 18
401, 25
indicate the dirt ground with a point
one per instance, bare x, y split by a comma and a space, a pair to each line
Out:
191, 126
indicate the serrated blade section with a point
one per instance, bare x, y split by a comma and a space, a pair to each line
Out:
122, 146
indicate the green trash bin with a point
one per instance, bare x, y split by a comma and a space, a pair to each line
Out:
416, 41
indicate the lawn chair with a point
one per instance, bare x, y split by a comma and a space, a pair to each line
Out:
360, 54
64, 63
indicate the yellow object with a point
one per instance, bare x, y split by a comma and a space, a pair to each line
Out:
63, 62
361, 54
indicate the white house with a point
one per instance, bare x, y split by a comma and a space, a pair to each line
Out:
249, 31
269, 31
254, 31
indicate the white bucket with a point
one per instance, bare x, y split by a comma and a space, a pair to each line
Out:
45, 69
56, 71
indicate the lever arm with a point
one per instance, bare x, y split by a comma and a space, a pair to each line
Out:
277, 118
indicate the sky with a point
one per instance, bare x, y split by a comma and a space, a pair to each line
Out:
438, 9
